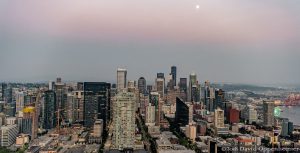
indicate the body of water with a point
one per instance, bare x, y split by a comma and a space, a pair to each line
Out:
292, 113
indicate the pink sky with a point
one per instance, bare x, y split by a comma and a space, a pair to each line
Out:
232, 22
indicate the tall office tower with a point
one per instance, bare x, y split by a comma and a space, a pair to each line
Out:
268, 114
174, 74
219, 118
209, 97
195, 94
183, 84
19, 101
79, 106
142, 85
184, 112
96, 102
170, 83
121, 79
155, 101
160, 75
285, 127
219, 99
124, 121
10, 109
49, 110
51, 85
6, 93
160, 86
194, 89
61, 99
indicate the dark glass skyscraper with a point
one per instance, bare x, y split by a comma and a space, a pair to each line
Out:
160, 75
174, 74
6, 93
61, 98
142, 85
182, 113
96, 102
183, 84
49, 110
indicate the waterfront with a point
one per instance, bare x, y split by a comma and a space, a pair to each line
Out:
292, 113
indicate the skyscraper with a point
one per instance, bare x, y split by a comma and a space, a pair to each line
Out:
160, 86
183, 84
219, 118
121, 79
19, 101
124, 121
61, 98
160, 75
268, 114
49, 110
174, 74
142, 85
219, 99
79, 105
184, 112
51, 85
96, 102
6, 93
155, 101
194, 89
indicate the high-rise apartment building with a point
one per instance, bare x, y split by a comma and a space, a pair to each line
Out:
150, 115
78, 101
123, 121
219, 118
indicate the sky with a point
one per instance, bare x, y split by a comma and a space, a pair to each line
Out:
226, 41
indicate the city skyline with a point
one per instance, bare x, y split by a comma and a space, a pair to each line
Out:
250, 42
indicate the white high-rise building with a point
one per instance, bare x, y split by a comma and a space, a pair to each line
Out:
219, 118
150, 115
250, 114
51, 85
9, 134
121, 79
19, 101
123, 121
